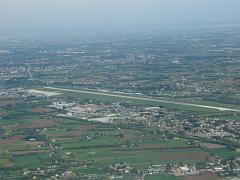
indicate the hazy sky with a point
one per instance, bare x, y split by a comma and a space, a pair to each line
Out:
55, 16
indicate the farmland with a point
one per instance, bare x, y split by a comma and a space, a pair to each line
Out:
37, 135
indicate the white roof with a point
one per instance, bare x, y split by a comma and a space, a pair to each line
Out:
184, 168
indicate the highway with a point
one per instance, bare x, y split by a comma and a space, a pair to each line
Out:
128, 96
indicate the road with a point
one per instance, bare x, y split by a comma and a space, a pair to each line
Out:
29, 72
128, 96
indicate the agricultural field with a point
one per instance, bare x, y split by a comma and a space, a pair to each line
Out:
35, 137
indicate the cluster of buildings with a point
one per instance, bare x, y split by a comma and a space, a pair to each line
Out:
175, 169
184, 170
218, 166
35, 174
96, 112
121, 168
12, 72
210, 128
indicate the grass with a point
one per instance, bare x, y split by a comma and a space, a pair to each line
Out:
33, 161
160, 177
212, 145
139, 158
224, 153
171, 143
7, 122
4, 162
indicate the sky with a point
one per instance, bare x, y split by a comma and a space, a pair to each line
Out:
39, 17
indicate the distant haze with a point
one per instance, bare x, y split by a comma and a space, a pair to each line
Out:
49, 17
